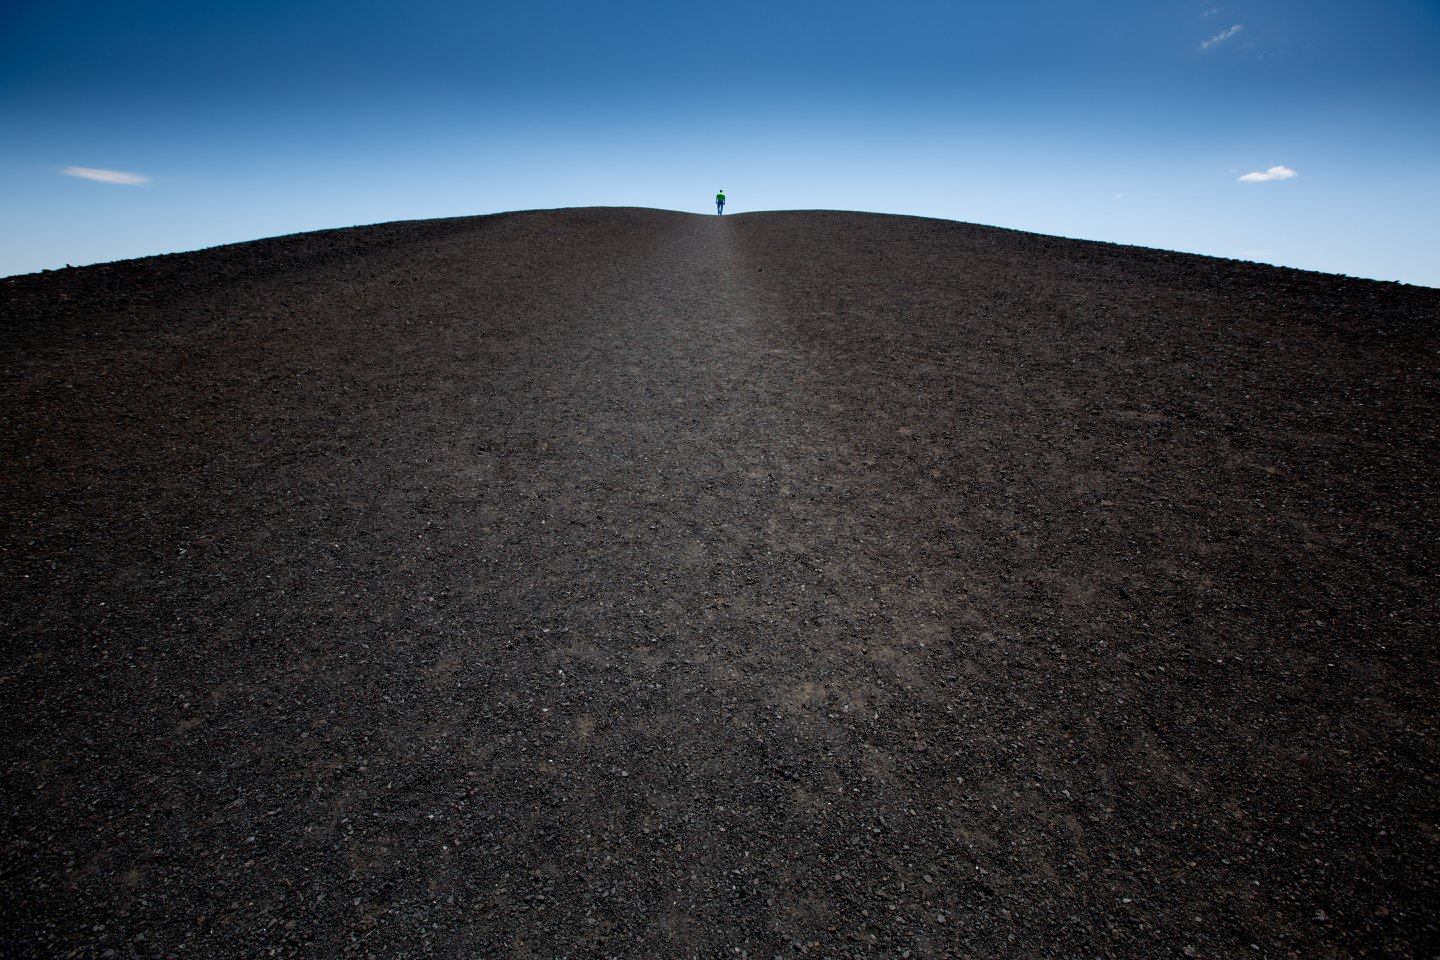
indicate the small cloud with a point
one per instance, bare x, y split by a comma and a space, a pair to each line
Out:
1209, 12
1265, 176
1117, 196
106, 176
1222, 36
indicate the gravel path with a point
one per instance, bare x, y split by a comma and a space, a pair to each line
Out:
623, 583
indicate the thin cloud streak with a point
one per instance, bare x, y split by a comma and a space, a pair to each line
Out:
106, 176
1222, 36
1265, 176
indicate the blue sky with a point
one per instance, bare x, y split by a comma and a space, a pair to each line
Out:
1122, 121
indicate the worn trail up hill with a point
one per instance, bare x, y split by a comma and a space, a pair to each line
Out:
622, 583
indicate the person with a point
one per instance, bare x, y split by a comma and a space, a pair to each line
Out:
720, 202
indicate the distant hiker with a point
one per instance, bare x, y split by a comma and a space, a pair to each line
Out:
720, 202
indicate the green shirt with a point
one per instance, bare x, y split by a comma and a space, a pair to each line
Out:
719, 198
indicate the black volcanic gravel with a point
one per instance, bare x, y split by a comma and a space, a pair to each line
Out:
623, 583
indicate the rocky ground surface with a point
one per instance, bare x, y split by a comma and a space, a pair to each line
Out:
623, 583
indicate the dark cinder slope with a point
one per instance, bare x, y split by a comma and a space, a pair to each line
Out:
622, 583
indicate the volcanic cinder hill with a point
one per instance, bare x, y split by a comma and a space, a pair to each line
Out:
624, 583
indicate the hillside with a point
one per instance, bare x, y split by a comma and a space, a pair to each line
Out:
625, 583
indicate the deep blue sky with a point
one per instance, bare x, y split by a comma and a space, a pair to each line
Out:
1109, 121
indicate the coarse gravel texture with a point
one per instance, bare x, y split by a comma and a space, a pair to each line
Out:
627, 583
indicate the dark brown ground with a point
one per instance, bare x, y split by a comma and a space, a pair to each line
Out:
622, 583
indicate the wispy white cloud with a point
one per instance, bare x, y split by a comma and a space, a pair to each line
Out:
1222, 36
1264, 176
1209, 12
106, 176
